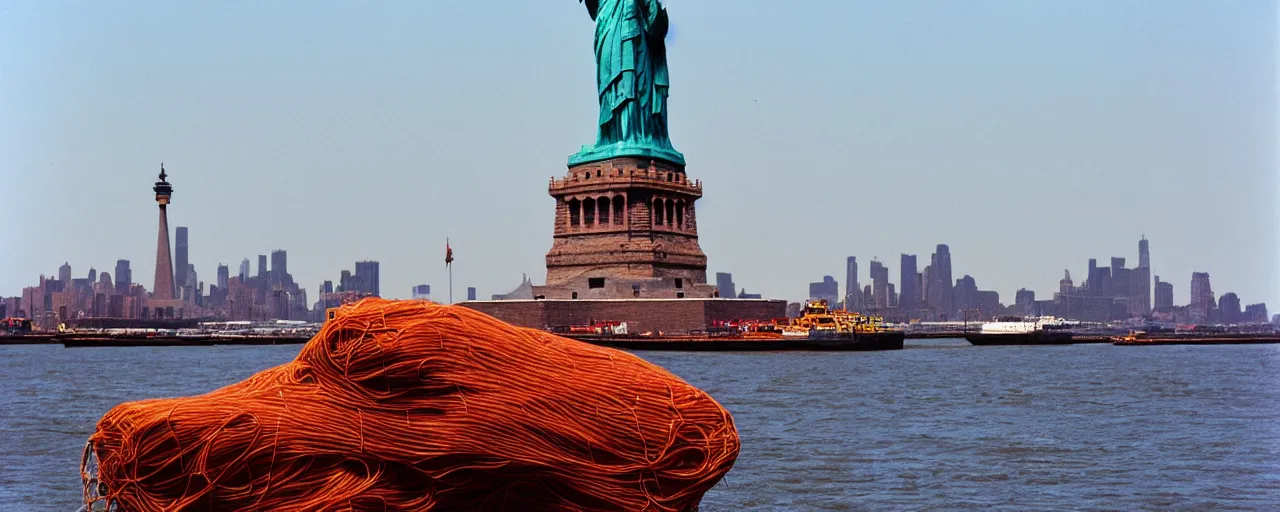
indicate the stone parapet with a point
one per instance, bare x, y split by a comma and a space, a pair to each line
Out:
670, 316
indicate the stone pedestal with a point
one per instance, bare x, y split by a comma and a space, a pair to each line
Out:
625, 226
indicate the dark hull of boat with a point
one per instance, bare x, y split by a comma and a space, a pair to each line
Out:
174, 341
860, 342
1202, 340
26, 339
1030, 338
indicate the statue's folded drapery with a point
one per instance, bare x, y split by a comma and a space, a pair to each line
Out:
631, 72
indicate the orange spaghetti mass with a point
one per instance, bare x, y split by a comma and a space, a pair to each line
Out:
408, 405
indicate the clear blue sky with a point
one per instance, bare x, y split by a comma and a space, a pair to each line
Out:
1030, 136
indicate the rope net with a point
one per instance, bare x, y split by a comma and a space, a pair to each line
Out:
410, 405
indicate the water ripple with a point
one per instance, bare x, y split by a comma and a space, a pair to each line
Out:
1089, 427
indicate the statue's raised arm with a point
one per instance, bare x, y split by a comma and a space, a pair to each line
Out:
631, 80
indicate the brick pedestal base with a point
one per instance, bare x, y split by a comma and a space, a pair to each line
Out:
626, 224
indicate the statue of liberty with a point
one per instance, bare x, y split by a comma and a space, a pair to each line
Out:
631, 81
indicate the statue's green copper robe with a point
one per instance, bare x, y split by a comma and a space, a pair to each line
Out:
631, 80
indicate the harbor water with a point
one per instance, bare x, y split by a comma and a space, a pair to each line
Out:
940, 425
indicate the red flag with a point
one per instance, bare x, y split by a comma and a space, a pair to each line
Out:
448, 253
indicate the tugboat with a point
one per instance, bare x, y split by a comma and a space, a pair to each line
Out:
842, 330
1045, 330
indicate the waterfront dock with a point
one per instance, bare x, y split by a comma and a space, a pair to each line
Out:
93, 340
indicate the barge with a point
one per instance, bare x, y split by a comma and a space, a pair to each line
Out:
94, 340
1139, 338
818, 329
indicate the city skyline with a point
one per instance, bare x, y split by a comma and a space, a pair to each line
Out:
881, 294
1023, 177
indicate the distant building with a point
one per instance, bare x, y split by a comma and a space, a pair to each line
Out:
262, 267
180, 257
244, 270
422, 292
940, 299
1229, 308
852, 293
1202, 302
1121, 282
471, 293
524, 291
1164, 296
965, 294
11, 307
1142, 279
279, 272
367, 272
124, 276
827, 289
224, 275
744, 295
1025, 302
724, 284
347, 282
1255, 313
880, 285
64, 274
908, 282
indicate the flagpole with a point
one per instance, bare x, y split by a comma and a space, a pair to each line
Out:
448, 262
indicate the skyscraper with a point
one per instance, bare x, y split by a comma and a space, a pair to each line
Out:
1202, 301
279, 266
64, 275
1093, 282
192, 286
1121, 282
422, 292
163, 289
471, 293
244, 270
224, 275
909, 295
1229, 308
262, 266
940, 282
851, 291
124, 276
1164, 296
180, 256
367, 273
724, 284
1142, 279
880, 284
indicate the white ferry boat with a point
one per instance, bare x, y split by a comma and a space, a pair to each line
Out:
1044, 330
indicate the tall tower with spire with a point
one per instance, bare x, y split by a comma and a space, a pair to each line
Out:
164, 259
